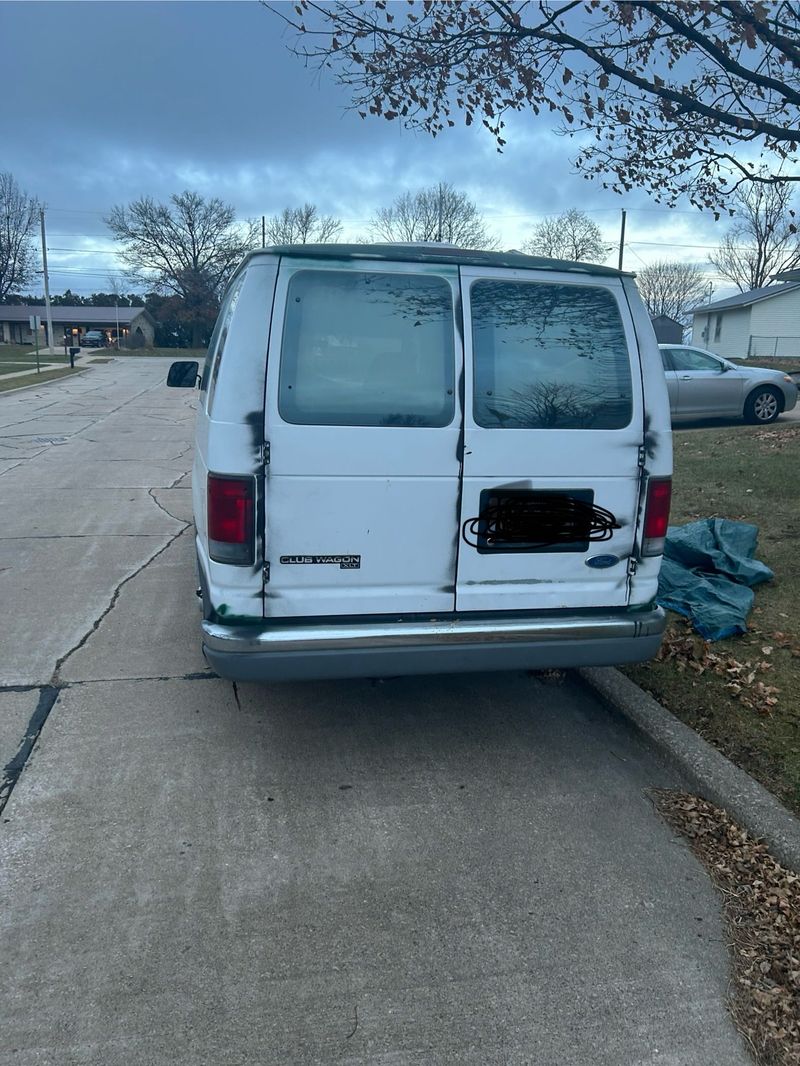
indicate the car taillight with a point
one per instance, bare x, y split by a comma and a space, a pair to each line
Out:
656, 515
230, 519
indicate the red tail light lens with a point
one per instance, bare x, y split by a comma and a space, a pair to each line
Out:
231, 505
656, 515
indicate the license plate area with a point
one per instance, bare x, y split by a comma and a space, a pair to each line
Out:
521, 520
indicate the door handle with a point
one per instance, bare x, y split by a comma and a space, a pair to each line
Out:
686, 377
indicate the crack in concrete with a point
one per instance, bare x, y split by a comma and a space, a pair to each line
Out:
55, 680
161, 506
78, 536
97, 420
48, 694
26, 440
196, 675
174, 483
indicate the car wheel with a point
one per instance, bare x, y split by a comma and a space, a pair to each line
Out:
762, 405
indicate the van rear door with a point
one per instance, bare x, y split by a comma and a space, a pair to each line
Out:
363, 420
552, 434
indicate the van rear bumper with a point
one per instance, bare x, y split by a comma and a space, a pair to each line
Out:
298, 651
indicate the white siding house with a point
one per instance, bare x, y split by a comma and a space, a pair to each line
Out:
763, 323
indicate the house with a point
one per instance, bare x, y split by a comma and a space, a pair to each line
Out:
136, 325
668, 330
761, 324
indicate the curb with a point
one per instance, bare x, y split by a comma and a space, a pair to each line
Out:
706, 770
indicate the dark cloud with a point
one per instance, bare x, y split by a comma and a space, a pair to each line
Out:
118, 100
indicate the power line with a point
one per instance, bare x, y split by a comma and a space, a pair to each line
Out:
669, 244
628, 246
84, 251
86, 273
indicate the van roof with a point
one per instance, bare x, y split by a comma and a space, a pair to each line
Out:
428, 253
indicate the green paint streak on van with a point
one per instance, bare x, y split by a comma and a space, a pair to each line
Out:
223, 613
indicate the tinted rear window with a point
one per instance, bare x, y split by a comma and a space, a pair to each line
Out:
367, 349
549, 357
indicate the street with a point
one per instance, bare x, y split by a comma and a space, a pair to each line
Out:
458, 869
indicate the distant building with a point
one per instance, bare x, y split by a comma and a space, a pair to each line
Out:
136, 325
763, 323
668, 330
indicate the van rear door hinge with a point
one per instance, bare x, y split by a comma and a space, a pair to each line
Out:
266, 573
265, 456
642, 455
632, 565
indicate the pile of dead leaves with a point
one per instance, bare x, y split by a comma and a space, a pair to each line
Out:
743, 678
761, 902
775, 439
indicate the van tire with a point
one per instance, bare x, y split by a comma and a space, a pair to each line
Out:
763, 405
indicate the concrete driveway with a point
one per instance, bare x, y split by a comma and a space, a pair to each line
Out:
462, 869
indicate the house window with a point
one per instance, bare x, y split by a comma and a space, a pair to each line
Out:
718, 327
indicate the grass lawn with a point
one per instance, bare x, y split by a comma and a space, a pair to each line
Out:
26, 354
742, 694
166, 353
36, 379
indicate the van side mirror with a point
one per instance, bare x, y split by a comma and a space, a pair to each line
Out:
183, 375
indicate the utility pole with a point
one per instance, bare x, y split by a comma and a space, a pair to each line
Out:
46, 284
622, 239
116, 312
439, 231
263, 232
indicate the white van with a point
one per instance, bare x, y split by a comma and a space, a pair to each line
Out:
422, 459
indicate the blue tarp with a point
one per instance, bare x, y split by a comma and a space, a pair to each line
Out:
708, 572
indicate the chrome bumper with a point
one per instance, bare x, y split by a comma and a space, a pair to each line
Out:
288, 651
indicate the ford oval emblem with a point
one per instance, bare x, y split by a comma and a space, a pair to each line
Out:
602, 562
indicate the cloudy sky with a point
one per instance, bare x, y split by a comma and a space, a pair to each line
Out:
115, 100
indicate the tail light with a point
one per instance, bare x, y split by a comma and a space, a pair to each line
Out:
656, 515
231, 505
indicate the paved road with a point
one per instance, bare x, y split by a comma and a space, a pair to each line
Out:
459, 870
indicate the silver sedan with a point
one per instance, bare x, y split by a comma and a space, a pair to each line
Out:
704, 385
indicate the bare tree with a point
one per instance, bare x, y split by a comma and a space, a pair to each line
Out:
188, 247
762, 241
668, 94
571, 235
18, 215
669, 287
302, 225
436, 213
